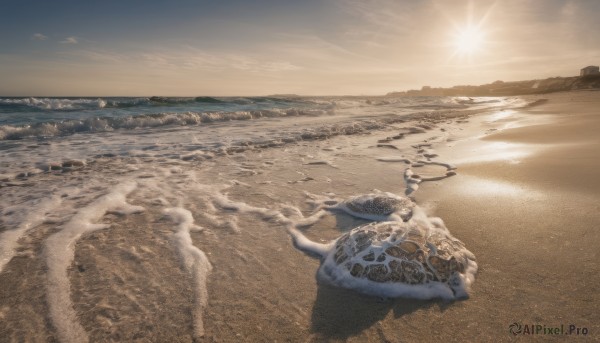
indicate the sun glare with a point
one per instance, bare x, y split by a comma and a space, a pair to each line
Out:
468, 40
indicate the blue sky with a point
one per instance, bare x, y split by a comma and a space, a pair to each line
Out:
306, 47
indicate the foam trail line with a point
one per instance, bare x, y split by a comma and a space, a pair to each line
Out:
9, 238
308, 246
60, 253
194, 261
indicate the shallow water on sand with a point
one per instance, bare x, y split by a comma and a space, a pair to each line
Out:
177, 235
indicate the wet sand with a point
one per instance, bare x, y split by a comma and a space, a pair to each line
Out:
532, 221
524, 203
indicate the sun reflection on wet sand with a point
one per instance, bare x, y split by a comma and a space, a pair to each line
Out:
498, 151
481, 187
500, 115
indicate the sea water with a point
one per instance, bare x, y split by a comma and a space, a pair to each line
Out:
36, 133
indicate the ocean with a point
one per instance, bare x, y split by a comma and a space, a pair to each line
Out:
83, 128
171, 218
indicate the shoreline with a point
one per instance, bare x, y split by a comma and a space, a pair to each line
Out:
530, 218
262, 289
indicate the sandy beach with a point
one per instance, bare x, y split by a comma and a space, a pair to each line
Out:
524, 200
299, 171
530, 219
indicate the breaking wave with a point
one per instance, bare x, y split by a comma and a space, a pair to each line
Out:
74, 104
50, 117
51, 103
104, 124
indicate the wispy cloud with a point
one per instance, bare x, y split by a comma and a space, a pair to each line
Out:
186, 59
38, 36
96, 55
380, 20
196, 59
70, 40
256, 65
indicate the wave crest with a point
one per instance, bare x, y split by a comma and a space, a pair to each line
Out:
104, 124
54, 103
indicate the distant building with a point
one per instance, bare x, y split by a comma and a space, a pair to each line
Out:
590, 70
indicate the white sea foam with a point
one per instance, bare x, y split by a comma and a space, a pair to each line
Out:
36, 215
161, 159
212, 216
382, 206
55, 103
306, 221
379, 206
224, 202
60, 252
194, 260
107, 124
337, 268
448, 166
412, 181
393, 159
301, 242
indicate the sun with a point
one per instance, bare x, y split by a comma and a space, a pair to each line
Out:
468, 40
471, 39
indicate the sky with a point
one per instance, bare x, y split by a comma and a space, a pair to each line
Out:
309, 47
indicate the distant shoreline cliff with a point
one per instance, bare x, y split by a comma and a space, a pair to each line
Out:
501, 88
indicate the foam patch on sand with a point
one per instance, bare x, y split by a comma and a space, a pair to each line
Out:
393, 159
215, 220
313, 248
404, 253
60, 253
194, 260
35, 216
379, 206
224, 202
382, 206
291, 215
412, 181
416, 259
